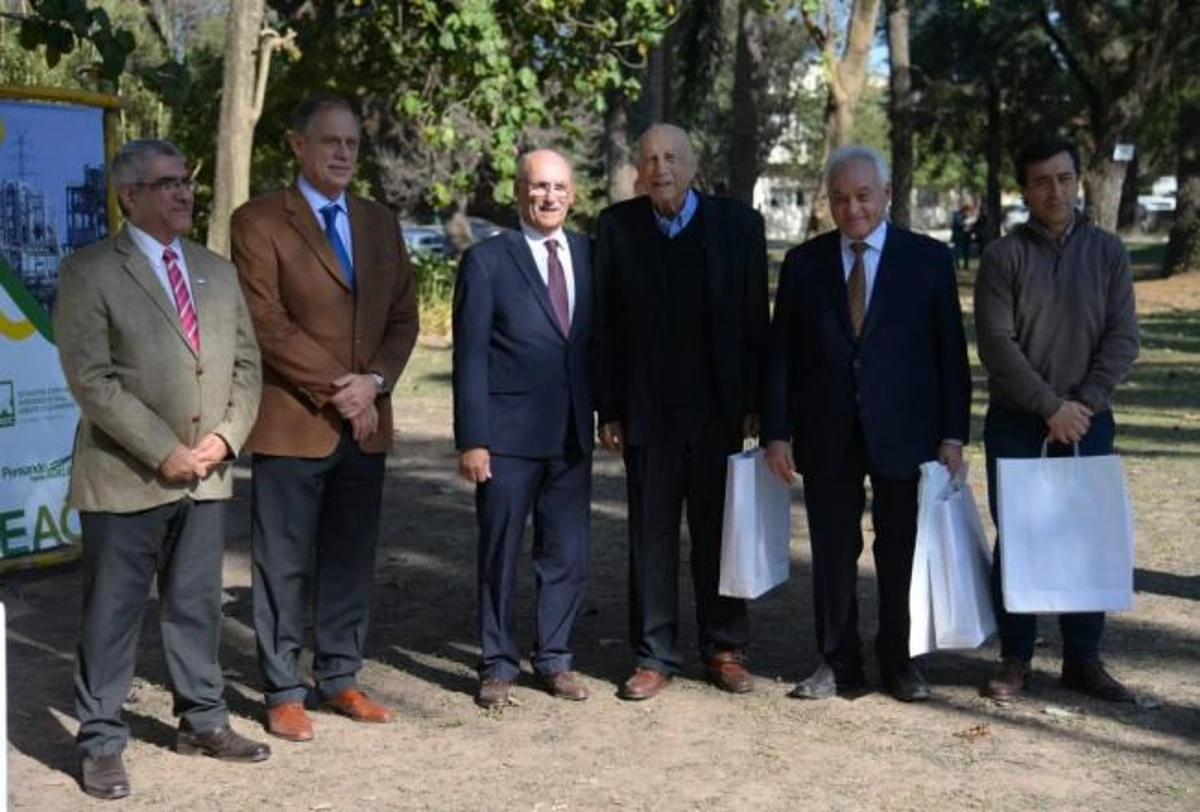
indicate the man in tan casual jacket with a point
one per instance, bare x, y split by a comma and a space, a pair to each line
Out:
331, 293
159, 352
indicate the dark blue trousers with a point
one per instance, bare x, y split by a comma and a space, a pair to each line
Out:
1012, 434
557, 491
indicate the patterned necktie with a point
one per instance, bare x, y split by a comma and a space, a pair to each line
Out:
856, 287
557, 282
183, 300
329, 213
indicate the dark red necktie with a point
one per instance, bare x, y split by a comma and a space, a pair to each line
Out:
557, 282
183, 300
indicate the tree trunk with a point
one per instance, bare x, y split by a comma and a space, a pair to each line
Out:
845, 79
1127, 209
748, 87
1183, 246
1102, 180
458, 226
622, 174
235, 133
900, 112
993, 216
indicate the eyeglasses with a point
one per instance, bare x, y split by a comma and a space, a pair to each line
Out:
168, 183
545, 189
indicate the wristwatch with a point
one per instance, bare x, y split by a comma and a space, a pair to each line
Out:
380, 383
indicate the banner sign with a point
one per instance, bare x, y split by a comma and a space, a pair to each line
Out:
53, 200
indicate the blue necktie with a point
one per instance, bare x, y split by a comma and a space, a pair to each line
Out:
330, 213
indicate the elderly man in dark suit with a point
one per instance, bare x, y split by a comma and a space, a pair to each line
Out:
868, 379
681, 332
159, 352
523, 423
332, 296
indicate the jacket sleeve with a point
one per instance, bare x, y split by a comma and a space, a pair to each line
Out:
757, 315
81, 329
286, 347
246, 389
403, 320
472, 319
609, 330
953, 365
996, 335
777, 395
1119, 345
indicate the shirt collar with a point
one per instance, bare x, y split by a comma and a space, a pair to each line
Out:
150, 246
673, 225
873, 240
317, 200
1045, 232
533, 235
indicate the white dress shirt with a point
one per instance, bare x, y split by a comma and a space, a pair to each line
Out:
871, 255
319, 201
541, 257
153, 249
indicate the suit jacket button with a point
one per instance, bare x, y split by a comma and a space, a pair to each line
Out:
199, 370
858, 363
195, 418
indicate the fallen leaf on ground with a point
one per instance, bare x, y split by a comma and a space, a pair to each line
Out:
974, 732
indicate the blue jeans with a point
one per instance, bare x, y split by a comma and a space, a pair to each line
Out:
1010, 433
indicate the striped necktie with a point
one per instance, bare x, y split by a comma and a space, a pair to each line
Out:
183, 300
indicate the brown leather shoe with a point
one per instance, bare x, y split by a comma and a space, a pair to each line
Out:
492, 693
288, 720
564, 685
1009, 682
644, 684
1092, 679
354, 703
727, 671
104, 777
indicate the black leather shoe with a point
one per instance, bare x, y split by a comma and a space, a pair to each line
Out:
220, 743
104, 777
1092, 679
825, 683
907, 684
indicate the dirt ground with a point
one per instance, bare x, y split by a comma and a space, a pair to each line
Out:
692, 748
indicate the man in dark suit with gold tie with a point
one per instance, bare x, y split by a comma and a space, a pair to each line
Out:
868, 379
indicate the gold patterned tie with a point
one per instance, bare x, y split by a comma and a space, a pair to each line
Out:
856, 287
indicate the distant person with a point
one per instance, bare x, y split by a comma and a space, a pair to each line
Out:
1057, 331
331, 292
980, 230
960, 236
160, 355
681, 330
868, 380
523, 424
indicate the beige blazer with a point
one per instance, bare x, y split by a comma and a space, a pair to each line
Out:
311, 327
140, 387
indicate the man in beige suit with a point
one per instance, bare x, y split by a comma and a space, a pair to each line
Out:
331, 293
159, 352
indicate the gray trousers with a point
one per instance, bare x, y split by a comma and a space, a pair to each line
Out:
181, 543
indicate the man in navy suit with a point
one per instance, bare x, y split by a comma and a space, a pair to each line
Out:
523, 423
868, 378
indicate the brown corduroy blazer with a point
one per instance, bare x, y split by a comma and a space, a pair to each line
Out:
311, 327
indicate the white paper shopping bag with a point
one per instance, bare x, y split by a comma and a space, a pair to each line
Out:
950, 603
756, 534
1066, 534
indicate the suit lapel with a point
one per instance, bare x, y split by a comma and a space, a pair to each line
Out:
137, 266
201, 296
518, 249
302, 219
581, 270
835, 281
360, 239
883, 283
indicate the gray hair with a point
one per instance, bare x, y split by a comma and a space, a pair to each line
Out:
132, 160
854, 154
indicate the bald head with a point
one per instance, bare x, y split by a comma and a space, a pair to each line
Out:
666, 166
545, 190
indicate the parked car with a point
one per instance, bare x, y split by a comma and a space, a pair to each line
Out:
481, 229
1014, 215
1155, 211
424, 239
